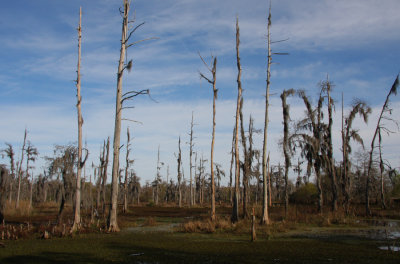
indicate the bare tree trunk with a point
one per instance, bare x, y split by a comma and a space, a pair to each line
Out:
20, 169
77, 213
235, 211
112, 223
212, 147
264, 216
215, 91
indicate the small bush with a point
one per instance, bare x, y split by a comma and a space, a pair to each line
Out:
306, 194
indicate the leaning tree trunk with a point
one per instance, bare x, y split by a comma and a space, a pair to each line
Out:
112, 223
235, 209
393, 90
77, 213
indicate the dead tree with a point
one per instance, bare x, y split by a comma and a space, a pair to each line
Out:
192, 199
81, 162
213, 71
386, 110
235, 208
20, 169
264, 216
285, 144
127, 33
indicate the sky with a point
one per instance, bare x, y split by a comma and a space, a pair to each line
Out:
354, 42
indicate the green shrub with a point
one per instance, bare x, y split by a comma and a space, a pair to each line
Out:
306, 194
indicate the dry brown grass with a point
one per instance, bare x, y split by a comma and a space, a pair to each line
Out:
206, 226
22, 210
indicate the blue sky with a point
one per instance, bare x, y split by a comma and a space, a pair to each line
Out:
355, 42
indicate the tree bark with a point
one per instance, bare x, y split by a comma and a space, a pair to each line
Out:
112, 223
264, 216
235, 209
77, 212
212, 143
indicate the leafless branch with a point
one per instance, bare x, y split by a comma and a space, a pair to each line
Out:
126, 119
133, 31
204, 62
136, 42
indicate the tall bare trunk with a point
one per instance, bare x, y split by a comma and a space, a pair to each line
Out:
215, 94
77, 212
112, 223
235, 209
264, 216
